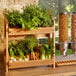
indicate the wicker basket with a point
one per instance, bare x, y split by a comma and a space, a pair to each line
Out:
73, 27
63, 27
73, 32
63, 31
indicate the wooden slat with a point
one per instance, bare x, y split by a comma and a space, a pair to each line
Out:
19, 32
30, 63
22, 37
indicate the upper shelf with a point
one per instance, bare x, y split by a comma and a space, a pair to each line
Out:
20, 32
41, 30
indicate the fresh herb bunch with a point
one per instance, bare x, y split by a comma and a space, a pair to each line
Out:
11, 50
36, 17
23, 47
15, 50
15, 18
32, 17
31, 43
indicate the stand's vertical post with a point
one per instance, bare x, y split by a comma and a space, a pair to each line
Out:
4, 42
49, 38
53, 36
7, 55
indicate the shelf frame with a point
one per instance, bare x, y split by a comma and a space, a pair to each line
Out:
12, 33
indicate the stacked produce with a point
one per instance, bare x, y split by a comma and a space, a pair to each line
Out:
32, 17
28, 49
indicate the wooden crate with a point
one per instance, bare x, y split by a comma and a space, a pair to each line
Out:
13, 33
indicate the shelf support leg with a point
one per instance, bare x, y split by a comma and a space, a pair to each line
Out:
7, 54
53, 36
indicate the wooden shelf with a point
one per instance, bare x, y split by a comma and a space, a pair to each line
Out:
30, 63
19, 32
14, 32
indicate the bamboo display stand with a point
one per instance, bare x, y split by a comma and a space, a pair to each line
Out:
13, 33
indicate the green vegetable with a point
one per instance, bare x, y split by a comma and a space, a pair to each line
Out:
36, 17
26, 46
23, 47
31, 43
46, 51
13, 17
11, 50
15, 50
47, 54
22, 22
32, 17
42, 50
21, 54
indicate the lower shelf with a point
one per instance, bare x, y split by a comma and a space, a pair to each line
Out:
31, 63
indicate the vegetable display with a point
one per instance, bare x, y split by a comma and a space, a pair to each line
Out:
25, 49
31, 43
46, 51
32, 17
